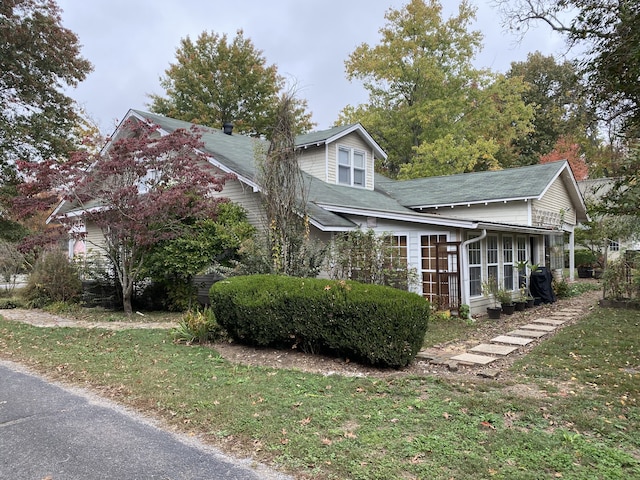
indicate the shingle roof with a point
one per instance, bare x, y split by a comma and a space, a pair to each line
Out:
509, 184
238, 153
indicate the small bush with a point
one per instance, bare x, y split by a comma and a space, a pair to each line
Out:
370, 323
198, 326
53, 279
561, 289
11, 302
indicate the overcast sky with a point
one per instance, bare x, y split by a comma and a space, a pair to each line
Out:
132, 42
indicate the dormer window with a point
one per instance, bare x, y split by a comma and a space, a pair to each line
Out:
351, 167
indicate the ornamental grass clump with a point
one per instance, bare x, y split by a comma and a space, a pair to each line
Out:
198, 326
372, 324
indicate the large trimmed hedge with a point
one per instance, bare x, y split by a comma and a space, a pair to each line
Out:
370, 323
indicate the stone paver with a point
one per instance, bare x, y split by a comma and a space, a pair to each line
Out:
527, 333
493, 349
511, 340
474, 359
550, 321
540, 327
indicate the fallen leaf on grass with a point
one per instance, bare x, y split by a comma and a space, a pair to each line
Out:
487, 425
305, 421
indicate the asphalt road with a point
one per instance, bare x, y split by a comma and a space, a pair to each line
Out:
52, 432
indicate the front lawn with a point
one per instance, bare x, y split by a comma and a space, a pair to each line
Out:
569, 409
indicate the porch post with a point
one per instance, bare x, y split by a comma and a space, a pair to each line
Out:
572, 262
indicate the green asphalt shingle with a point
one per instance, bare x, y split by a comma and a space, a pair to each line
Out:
238, 152
508, 184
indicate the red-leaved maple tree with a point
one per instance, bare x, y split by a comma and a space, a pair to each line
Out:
566, 149
142, 188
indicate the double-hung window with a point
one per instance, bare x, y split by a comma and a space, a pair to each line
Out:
351, 167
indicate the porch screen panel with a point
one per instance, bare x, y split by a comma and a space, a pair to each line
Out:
429, 259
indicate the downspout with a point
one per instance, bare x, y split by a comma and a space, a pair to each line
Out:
466, 288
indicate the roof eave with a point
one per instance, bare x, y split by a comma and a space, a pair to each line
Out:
406, 217
475, 202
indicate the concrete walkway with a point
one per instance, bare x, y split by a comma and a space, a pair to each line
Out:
506, 344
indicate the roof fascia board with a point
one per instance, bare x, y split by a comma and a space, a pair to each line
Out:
516, 228
476, 202
555, 177
255, 187
406, 217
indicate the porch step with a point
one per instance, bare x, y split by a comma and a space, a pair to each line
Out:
527, 333
474, 359
493, 349
539, 327
511, 340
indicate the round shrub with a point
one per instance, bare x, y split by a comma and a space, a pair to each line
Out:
370, 323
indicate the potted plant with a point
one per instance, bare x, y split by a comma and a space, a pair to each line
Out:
521, 301
508, 306
490, 290
521, 269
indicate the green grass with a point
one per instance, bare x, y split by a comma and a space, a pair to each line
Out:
570, 410
445, 329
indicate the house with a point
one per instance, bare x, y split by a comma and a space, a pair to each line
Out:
592, 190
454, 230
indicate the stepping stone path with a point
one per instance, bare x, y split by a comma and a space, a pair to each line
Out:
503, 345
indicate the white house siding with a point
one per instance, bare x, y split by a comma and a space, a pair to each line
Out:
557, 203
243, 195
516, 212
313, 160
94, 240
353, 140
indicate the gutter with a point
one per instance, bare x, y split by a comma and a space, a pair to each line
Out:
466, 293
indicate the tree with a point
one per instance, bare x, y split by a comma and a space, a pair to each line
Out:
566, 149
205, 245
140, 190
216, 81
556, 92
38, 59
429, 108
608, 33
284, 199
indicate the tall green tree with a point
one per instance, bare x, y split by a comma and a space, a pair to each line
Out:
429, 108
562, 107
39, 58
607, 34
216, 81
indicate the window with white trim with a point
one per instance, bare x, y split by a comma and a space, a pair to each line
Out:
351, 167
475, 267
614, 246
507, 262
